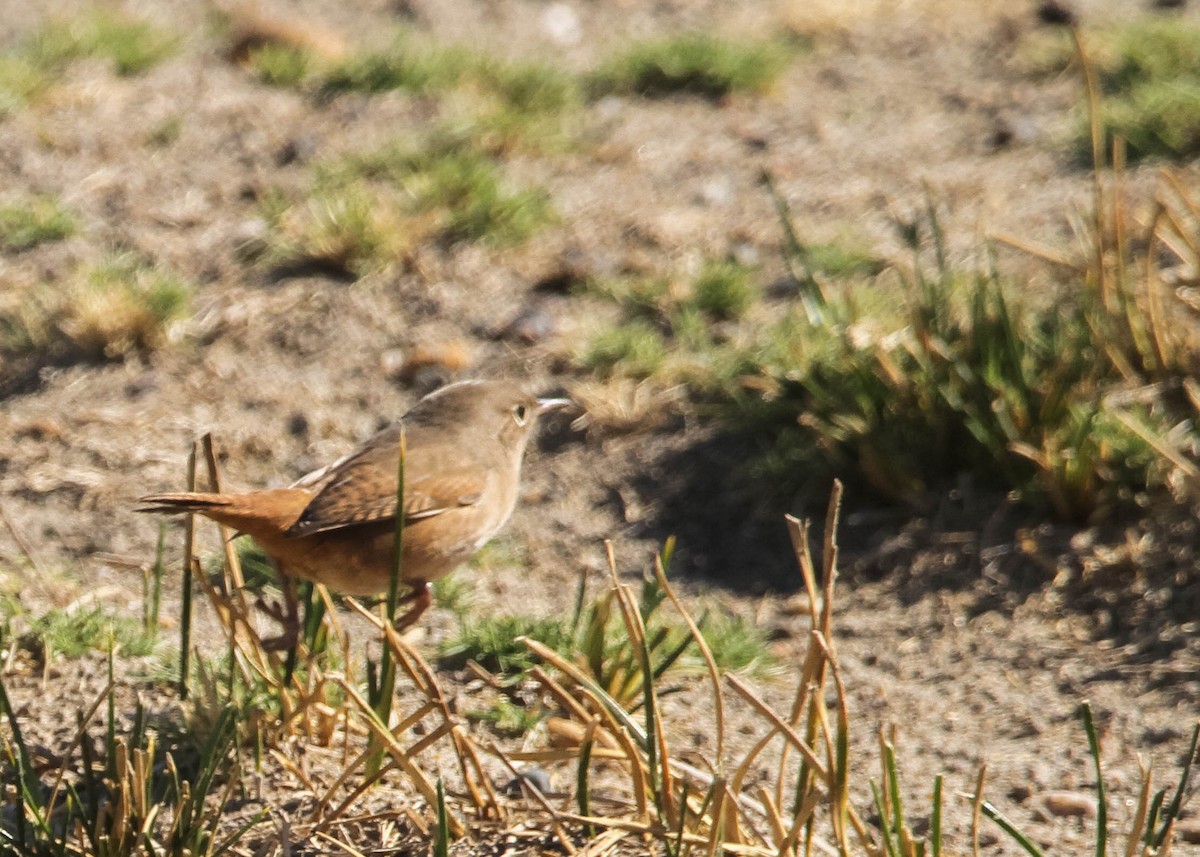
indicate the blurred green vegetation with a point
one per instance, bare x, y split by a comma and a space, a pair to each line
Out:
695, 64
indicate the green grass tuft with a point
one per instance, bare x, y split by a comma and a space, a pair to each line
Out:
400, 67
91, 630
133, 46
694, 64
634, 348
38, 221
508, 718
737, 644
491, 642
723, 291
281, 65
369, 210
32, 67
102, 312
843, 260
1149, 73
21, 80
672, 331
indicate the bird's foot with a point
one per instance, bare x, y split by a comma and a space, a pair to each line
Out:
421, 598
287, 614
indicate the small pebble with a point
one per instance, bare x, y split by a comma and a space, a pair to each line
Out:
536, 777
1066, 805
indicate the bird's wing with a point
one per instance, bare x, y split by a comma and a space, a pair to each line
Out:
361, 488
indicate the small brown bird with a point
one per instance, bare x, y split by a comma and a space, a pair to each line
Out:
464, 445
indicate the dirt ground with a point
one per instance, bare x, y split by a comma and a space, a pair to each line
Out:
977, 632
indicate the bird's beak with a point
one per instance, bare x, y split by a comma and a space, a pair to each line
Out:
544, 405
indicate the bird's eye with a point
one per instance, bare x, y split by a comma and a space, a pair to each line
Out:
520, 414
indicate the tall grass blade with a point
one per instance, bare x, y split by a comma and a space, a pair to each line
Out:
812, 297
152, 587
441, 844
27, 780
1172, 813
1014, 833
935, 820
185, 619
384, 690
885, 824
583, 772
1089, 726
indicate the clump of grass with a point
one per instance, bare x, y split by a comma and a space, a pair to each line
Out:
842, 260
121, 307
502, 104
507, 717
596, 639
970, 375
133, 46
1156, 119
119, 793
493, 642
1149, 76
402, 66
21, 80
961, 381
737, 644
280, 64
348, 228
668, 330
694, 64
524, 105
103, 312
636, 348
74, 633
723, 291
34, 65
468, 187
38, 221
369, 210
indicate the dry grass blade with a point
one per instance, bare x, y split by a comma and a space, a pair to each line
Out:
190, 563
232, 563
604, 844
977, 809
1186, 466
560, 694
653, 829
1040, 251
798, 532
399, 754
709, 660
343, 777
530, 788
420, 673
80, 734
779, 724
829, 557
1143, 805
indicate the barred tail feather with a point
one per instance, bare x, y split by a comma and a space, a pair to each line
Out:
175, 504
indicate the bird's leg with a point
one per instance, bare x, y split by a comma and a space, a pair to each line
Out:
420, 598
287, 615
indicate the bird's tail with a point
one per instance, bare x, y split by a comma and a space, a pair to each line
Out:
172, 504
262, 514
